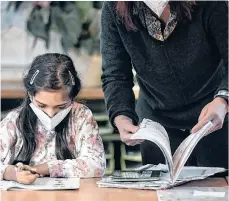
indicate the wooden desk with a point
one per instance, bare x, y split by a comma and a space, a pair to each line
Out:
90, 192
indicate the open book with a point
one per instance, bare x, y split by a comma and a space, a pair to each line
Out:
45, 183
188, 173
155, 132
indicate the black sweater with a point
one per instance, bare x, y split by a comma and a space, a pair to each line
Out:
177, 77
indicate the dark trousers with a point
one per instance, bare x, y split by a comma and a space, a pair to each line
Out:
211, 151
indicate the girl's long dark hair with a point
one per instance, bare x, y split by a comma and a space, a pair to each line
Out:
53, 74
124, 10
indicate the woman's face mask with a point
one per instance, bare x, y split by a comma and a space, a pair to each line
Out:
156, 6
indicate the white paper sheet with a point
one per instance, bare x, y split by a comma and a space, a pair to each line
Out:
45, 183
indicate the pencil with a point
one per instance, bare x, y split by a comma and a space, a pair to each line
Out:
33, 172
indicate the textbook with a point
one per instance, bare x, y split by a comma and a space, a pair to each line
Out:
156, 133
173, 173
188, 173
45, 183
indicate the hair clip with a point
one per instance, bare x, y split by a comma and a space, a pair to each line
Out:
72, 78
34, 76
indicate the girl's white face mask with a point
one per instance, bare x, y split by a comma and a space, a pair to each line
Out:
50, 123
156, 6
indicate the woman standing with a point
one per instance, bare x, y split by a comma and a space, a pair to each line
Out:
179, 51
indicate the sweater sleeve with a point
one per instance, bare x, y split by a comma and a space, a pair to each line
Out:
218, 29
117, 77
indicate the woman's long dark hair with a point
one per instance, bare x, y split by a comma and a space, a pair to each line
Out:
53, 74
124, 10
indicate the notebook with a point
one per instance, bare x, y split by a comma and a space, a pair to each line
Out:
45, 183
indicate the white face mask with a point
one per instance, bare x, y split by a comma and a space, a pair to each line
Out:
50, 123
157, 6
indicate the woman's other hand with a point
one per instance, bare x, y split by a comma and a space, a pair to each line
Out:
215, 112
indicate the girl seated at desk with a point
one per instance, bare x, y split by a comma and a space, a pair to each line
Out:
49, 133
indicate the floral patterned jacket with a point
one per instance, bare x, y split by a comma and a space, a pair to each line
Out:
83, 140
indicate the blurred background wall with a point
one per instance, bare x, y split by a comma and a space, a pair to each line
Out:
32, 28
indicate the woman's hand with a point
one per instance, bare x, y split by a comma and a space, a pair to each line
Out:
126, 130
215, 112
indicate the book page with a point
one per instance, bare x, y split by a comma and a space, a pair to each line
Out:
147, 123
45, 183
4, 185
155, 133
185, 149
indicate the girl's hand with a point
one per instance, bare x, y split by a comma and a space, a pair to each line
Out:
26, 177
